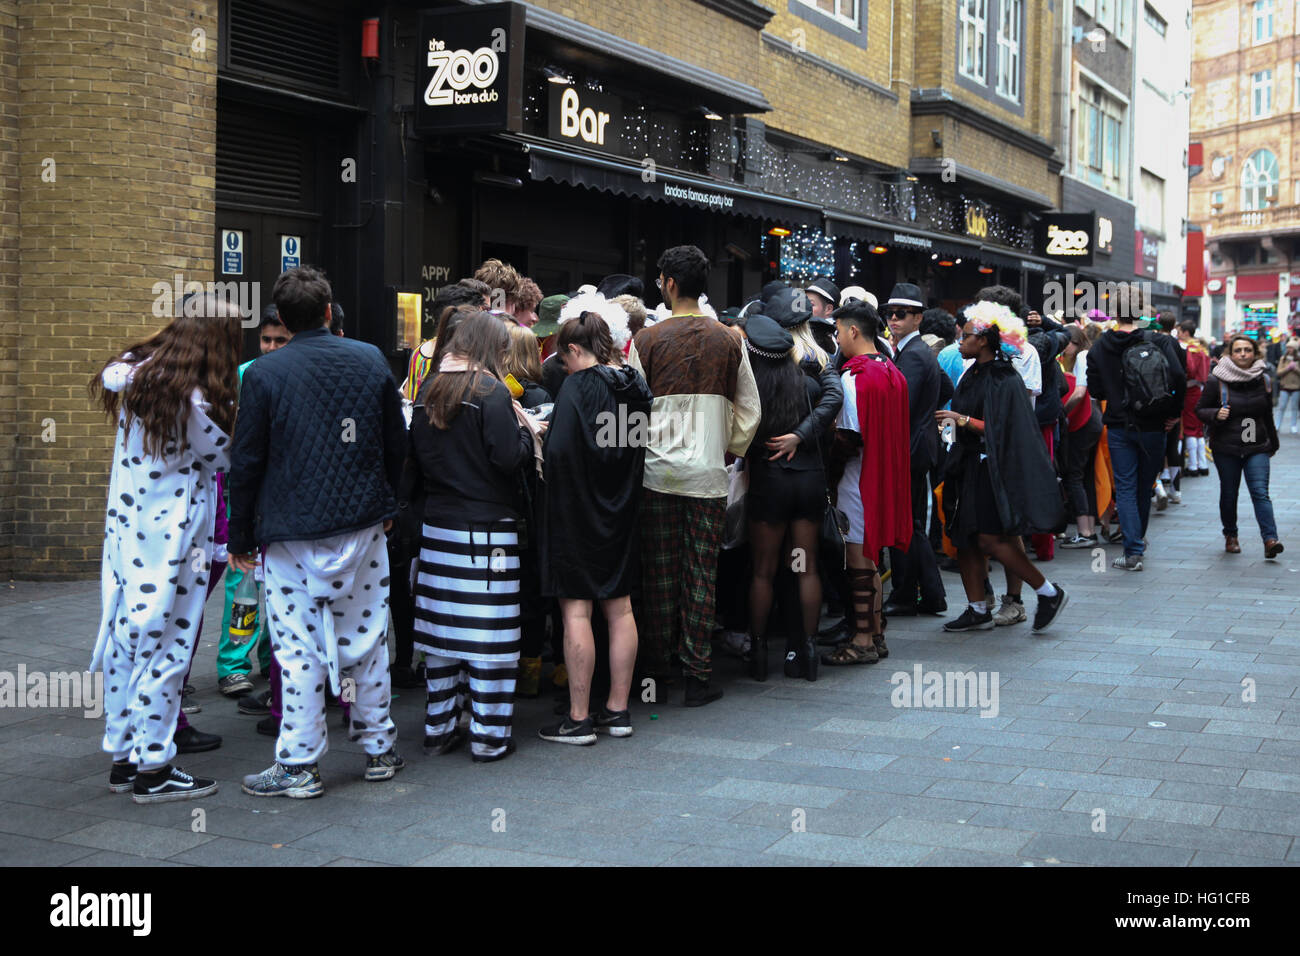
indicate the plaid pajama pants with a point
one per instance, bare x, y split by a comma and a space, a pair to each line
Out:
680, 541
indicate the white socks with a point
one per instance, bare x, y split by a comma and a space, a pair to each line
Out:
1048, 590
979, 607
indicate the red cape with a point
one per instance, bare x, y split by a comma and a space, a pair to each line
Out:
886, 454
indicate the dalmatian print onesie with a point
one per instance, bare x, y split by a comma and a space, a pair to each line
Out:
157, 557
328, 604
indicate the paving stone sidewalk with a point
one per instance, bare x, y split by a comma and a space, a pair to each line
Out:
1121, 737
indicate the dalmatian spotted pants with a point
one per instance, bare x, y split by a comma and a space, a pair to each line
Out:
328, 606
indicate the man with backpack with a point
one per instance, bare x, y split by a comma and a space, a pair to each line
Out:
1139, 377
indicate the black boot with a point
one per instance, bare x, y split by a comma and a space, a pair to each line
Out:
810, 658
758, 658
700, 692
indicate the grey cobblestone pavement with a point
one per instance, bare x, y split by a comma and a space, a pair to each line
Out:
1121, 738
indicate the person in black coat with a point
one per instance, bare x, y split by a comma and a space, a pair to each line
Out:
1236, 407
594, 466
917, 585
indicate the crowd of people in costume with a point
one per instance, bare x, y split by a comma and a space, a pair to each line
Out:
619, 490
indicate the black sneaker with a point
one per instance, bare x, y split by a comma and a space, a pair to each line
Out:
700, 692
1049, 608
793, 665
269, 726
191, 740
616, 723
232, 685
384, 766
835, 634
971, 621
121, 777
168, 784
255, 705
581, 733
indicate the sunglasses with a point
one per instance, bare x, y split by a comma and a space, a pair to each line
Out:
899, 313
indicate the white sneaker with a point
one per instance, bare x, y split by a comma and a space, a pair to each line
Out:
1175, 497
1011, 612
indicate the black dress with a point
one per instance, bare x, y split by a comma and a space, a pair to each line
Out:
593, 465
1002, 482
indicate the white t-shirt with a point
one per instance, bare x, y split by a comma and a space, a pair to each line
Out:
849, 496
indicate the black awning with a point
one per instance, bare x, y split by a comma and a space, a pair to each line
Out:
901, 237
627, 178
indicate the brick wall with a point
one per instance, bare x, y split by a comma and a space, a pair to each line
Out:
116, 95
9, 312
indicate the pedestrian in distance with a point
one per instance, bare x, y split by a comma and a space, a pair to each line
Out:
1236, 407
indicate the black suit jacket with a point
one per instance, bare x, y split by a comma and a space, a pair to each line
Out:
921, 369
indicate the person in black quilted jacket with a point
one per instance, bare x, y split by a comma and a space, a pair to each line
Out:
318, 451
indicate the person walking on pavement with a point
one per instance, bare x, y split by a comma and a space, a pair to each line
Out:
917, 584
999, 484
317, 454
1236, 406
1288, 383
1142, 382
705, 406
1196, 462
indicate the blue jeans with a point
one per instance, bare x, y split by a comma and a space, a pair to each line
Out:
1136, 458
1255, 468
1292, 399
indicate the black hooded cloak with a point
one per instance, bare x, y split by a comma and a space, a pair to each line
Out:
1023, 477
593, 464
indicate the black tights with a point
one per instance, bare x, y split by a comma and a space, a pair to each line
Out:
766, 547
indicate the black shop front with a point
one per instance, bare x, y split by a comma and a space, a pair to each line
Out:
578, 154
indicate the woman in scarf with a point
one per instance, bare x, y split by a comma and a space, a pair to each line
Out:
873, 441
594, 464
999, 482
1237, 408
470, 440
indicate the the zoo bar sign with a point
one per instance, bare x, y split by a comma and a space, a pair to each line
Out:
1067, 237
470, 69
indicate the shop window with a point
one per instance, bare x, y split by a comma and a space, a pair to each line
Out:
1261, 94
1009, 33
1263, 31
1259, 178
974, 33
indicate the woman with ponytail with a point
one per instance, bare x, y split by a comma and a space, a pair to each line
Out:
594, 463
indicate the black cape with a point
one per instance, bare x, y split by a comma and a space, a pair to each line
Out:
593, 464
1023, 477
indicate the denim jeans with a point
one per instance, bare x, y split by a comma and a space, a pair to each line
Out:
1255, 468
1136, 458
1292, 399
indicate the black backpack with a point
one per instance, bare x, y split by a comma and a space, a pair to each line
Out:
1148, 392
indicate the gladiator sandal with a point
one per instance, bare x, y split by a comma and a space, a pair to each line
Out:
866, 616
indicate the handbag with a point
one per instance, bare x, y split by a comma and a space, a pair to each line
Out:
835, 523
735, 529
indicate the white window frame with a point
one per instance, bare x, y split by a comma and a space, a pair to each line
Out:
1262, 18
848, 20
1090, 6
974, 18
1217, 198
1123, 21
1010, 15
1106, 15
1258, 172
1261, 88
1155, 21
1101, 159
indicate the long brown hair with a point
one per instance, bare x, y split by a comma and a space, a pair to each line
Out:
481, 340
590, 332
451, 317
199, 349
524, 360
